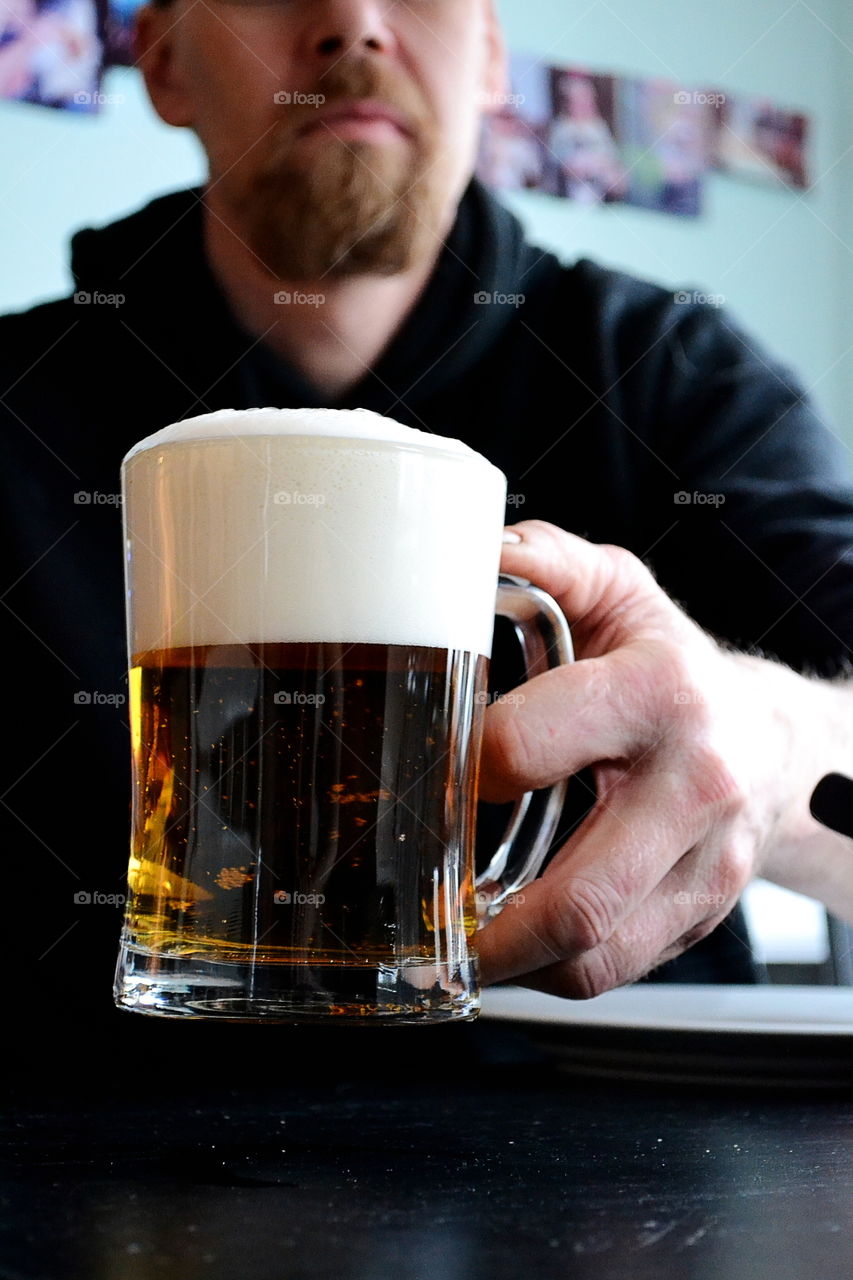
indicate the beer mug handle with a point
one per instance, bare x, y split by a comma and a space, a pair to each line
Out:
546, 642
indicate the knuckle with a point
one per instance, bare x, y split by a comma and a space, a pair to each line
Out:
733, 870
716, 790
581, 915
624, 564
593, 975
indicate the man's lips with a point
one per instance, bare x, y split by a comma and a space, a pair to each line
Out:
362, 118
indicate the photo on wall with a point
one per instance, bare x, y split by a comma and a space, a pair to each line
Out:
756, 140
52, 53
584, 159
665, 139
513, 154
119, 31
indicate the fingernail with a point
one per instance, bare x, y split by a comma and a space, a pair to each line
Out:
511, 536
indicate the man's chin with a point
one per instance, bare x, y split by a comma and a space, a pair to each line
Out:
357, 231
306, 259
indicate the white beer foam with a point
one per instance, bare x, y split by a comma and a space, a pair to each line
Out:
355, 424
265, 526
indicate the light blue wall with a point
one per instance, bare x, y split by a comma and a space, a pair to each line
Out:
845, 213
783, 261
62, 171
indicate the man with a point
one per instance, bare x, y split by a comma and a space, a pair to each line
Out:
340, 255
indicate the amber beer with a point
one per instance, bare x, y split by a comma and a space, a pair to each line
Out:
307, 806
311, 599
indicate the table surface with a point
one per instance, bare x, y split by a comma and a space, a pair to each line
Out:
511, 1167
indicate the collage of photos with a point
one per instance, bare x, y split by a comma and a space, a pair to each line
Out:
599, 139
567, 131
54, 52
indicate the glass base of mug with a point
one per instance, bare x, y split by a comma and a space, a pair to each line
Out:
417, 992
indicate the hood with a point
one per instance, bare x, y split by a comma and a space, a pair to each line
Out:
156, 258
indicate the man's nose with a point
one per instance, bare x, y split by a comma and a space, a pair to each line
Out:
340, 27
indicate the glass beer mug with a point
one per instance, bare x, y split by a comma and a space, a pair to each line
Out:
310, 607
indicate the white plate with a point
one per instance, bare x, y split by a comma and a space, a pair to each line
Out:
771, 1010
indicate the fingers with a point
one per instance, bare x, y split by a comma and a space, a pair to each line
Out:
609, 868
607, 594
673, 919
627, 891
564, 720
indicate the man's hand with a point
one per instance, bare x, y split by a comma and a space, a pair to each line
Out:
698, 765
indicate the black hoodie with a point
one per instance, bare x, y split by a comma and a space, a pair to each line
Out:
614, 407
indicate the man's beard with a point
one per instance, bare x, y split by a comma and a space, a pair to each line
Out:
345, 208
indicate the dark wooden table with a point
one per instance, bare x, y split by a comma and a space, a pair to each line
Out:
499, 1165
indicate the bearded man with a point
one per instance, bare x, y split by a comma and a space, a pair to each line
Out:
340, 253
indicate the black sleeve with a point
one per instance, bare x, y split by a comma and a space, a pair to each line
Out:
754, 498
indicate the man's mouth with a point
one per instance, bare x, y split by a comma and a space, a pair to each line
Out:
364, 119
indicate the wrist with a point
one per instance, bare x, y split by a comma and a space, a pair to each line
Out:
809, 733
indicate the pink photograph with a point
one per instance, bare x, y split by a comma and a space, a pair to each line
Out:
583, 152
755, 139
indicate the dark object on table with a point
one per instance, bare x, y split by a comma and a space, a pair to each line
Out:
832, 803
